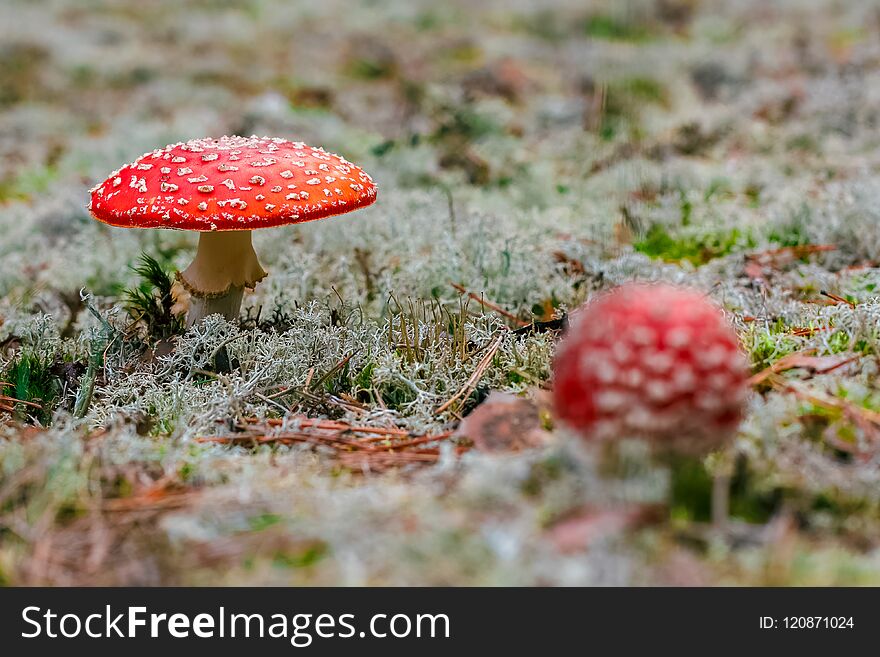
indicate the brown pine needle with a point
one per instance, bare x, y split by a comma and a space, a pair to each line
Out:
802, 359
488, 304
332, 440
838, 299
475, 377
19, 401
340, 436
306, 422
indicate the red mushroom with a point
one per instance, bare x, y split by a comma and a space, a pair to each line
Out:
653, 361
225, 188
657, 362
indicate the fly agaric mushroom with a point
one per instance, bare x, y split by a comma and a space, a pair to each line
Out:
225, 188
651, 361
657, 362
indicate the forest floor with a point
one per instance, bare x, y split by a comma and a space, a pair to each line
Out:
528, 155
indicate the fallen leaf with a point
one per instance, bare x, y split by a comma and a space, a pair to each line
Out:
588, 525
504, 422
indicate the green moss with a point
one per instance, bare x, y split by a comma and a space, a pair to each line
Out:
769, 344
465, 123
611, 28
263, 521
31, 182
32, 380
698, 249
838, 342
646, 89
151, 301
794, 231
302, 559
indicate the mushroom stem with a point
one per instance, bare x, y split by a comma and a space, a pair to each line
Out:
228, 305
224, 265
720, 499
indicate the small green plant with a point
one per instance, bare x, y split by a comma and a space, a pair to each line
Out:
32, 382
151, 301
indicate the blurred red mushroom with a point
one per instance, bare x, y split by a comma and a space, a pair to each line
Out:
652, 361
225, 188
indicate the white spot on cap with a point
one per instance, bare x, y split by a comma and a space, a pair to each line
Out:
678, 337
604, 369
659, 362
713, 356
633, 377
658, 390
206, 189
609, 401
233, 202
683, 378
621, 352
643, 335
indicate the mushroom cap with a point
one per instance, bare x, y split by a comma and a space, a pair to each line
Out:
651, 361
231, 183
